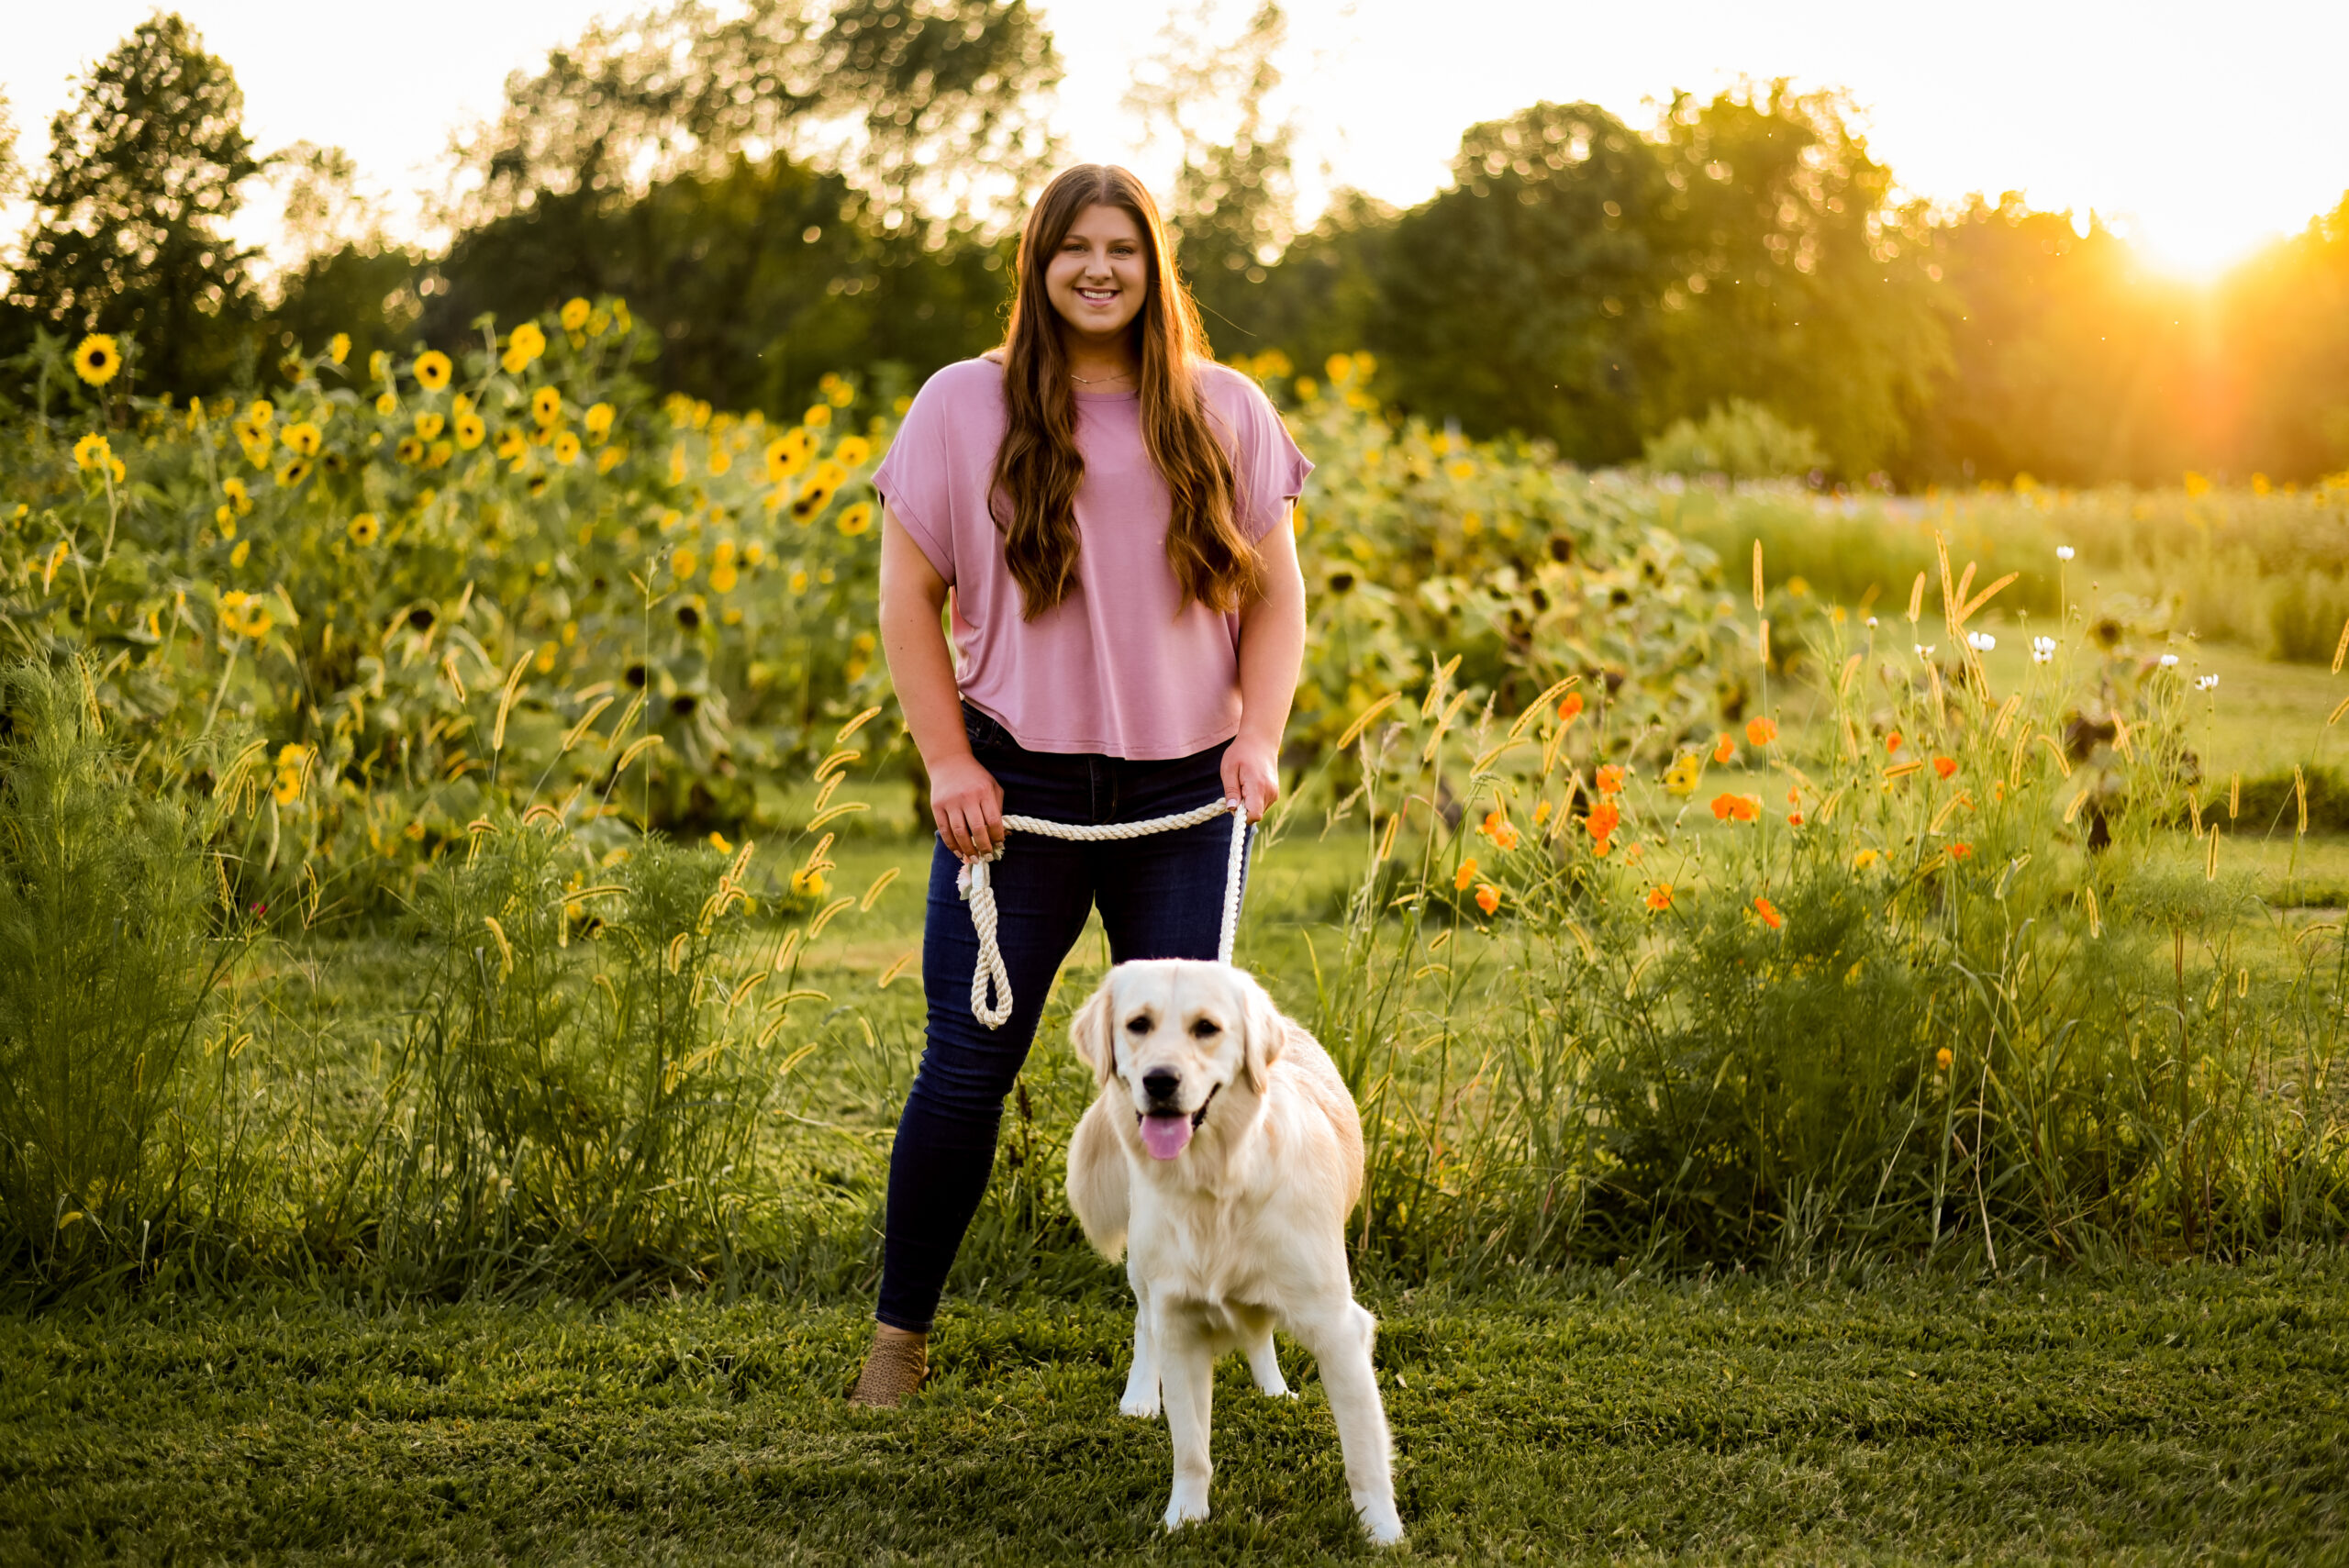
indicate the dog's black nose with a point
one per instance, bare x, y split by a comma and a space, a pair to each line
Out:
1159, 1086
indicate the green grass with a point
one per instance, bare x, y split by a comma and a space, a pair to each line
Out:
2139, 1415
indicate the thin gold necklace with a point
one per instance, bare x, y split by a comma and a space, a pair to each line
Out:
1098, 379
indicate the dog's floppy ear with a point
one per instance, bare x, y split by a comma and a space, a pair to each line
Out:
1263, 1032
1091, 1031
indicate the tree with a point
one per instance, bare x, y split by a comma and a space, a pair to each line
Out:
1785, 278
127, 234
757, 279
927, 107
1234, 205
1523, 297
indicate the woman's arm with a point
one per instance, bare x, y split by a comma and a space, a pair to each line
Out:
964, 796
1272, 651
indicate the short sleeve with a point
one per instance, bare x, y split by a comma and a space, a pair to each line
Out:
916, 481
1267, 470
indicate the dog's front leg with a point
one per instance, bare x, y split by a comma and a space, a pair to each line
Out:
1341, 1341
1186, 1370
1141, 1382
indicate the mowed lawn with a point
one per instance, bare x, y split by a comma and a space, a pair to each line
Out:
2141, 1414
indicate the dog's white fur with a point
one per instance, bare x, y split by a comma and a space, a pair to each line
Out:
1242, 1231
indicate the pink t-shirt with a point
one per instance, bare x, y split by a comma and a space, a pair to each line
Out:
1123, 665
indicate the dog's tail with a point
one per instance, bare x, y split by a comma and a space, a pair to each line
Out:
1096, 1180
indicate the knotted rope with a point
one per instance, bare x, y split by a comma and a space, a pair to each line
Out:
973, 883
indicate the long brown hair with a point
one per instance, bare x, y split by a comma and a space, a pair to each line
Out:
1037, 468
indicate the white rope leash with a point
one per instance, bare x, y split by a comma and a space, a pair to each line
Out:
978, 892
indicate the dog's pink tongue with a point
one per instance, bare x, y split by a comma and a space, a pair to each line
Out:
1164, 1136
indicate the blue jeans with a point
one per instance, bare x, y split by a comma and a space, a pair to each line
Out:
1160, 896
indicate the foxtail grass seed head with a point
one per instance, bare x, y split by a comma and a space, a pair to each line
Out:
1757, 576
898, 966
1917, 598
2234, 797
2341, 649
2300, 798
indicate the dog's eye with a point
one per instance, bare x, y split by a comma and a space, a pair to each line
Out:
1138, 1024
1206, 1028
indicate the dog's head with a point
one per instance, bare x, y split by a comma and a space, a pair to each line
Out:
1175, 1033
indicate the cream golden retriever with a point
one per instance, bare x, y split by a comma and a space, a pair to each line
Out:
1222, 1157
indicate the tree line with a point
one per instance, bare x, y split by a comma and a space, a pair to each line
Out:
792, 188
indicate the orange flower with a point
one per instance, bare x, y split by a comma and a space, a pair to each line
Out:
1611, 779
1725, 750
1571, 709
1794, 818
1769, 913
1603, 819
1488, 897
1600, 847
1660, 897
1760, 731
1737, 807
1466, 875
1941, 1059
1722, 805
1960, 852
1945, 766
1892, 741
1540, 814
1498, 828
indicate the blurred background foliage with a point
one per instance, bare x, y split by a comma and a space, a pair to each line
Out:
787, 188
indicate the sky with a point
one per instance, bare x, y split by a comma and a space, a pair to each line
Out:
2200, 132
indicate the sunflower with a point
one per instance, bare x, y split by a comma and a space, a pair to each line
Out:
289, 787
546, 407
339, 346
262, 413
828, 475
234, 488
432, 369
428, 426
439, 455
856, 519
469, 430
97, 359
386, 404
526, 344
608, 459
91, 452
599, 421
811, 503
574, 314
293, 474
753, 553
722, 577
364, 529
819, 416
512, 443
799, 583
242, 553
304, 437
852, 451
685, 563
566, 449
410, 450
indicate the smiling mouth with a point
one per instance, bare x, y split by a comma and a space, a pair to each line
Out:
1096, 296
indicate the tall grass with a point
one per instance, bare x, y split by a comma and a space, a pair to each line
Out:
110, 952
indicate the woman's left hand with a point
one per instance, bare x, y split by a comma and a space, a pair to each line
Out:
1251, 775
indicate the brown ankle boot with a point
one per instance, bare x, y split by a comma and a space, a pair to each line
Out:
894, 1368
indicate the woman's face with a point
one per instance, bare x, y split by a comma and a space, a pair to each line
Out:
1099, 277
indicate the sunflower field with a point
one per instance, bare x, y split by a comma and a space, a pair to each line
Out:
458, 835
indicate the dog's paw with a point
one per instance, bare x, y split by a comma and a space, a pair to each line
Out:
1141, 1398
1380, 1521
1276, 1389
1186, 1506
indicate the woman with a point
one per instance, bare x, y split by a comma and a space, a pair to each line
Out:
1106, 505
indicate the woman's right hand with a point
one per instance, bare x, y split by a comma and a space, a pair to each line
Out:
968, 805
